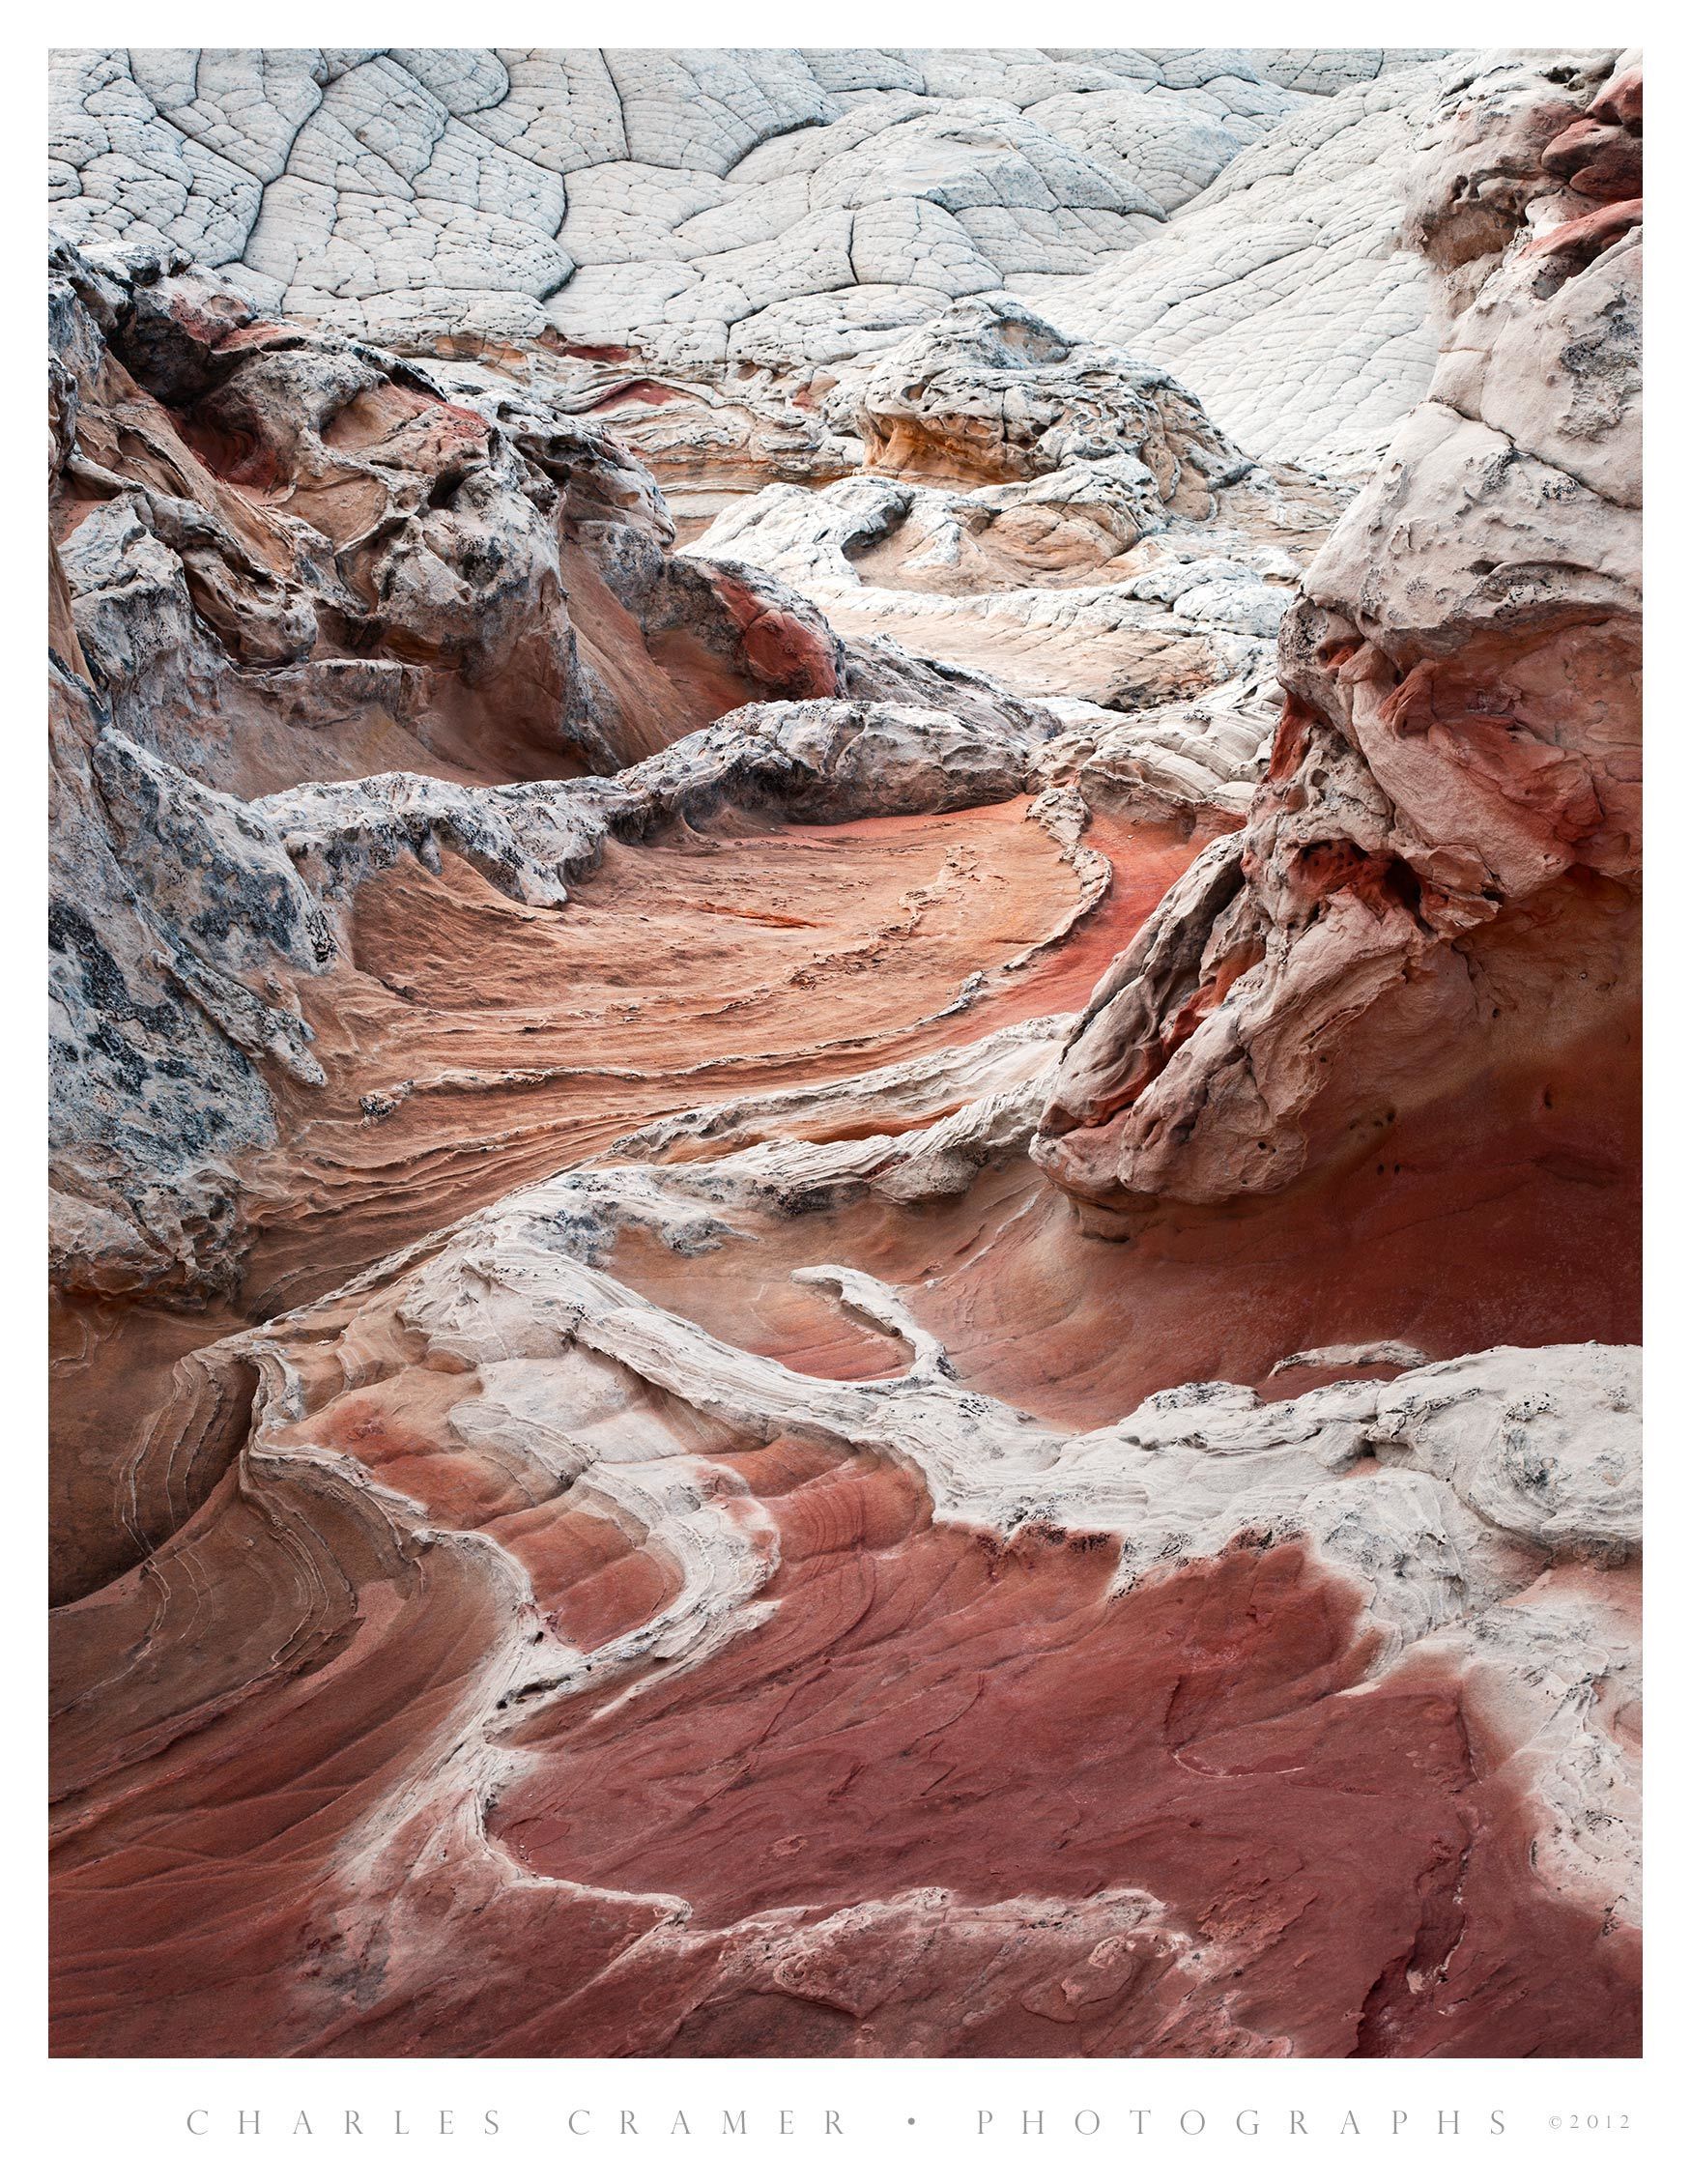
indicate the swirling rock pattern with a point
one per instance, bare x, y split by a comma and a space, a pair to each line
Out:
845, 1218
728, 1705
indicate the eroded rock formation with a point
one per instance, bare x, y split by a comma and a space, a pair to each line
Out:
866, 1288
1438, 876
276, 541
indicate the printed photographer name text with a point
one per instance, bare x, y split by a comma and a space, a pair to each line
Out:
1245, 2122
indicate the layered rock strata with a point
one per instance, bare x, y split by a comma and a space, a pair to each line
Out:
723, 1706
1438, 880
869, 1290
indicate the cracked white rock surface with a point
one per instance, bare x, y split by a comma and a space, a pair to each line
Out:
780, 205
